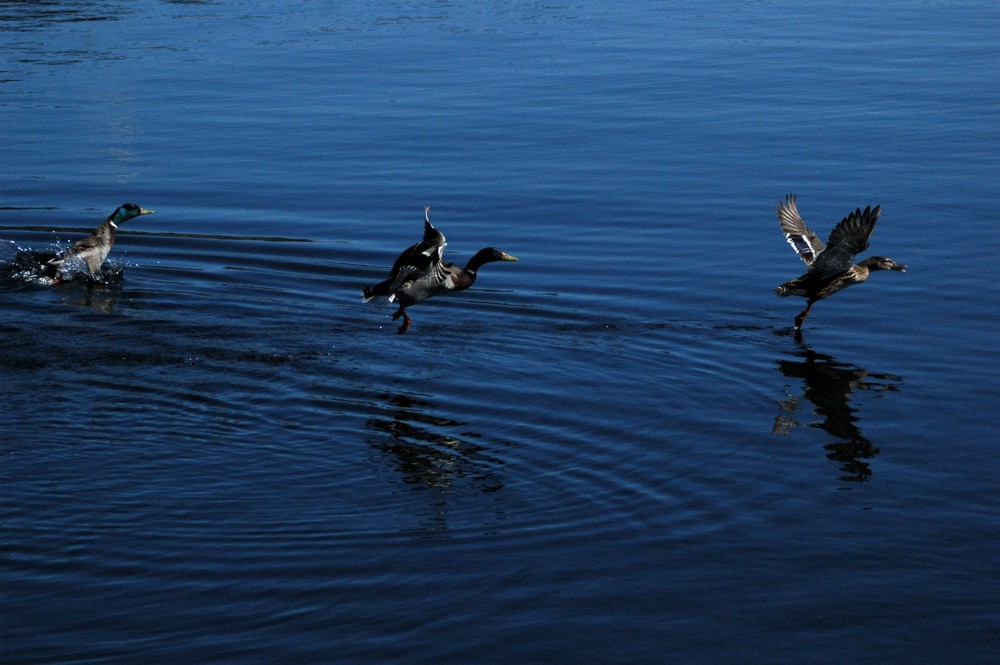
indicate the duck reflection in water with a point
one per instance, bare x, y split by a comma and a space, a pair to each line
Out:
829, 385
427, 453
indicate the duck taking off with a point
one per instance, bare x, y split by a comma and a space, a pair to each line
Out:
420, 273
94, 249
831, 266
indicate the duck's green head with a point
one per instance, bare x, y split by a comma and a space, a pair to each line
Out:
491, 254
488, 255
128, 211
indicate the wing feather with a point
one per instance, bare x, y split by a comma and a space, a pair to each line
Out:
848, 239
805, 243
423, 260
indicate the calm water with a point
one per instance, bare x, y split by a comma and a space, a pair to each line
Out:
614, 451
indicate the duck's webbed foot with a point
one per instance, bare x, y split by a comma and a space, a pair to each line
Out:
401, 312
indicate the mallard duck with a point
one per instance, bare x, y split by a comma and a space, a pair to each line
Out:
831, 266
93, 249
420, 273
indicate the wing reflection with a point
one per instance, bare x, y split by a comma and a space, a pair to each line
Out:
426, 451
829, 385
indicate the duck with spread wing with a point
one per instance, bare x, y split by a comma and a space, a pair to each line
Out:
421, 272
831, 265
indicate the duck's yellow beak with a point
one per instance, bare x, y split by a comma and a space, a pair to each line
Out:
143, 211
504, 256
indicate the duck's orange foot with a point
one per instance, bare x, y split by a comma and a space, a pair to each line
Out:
401, 312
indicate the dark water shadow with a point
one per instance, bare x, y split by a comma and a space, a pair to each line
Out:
434, 455
430, 451
31, 15
830, 386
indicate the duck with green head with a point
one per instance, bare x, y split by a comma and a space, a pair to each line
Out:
94, 249
420, 273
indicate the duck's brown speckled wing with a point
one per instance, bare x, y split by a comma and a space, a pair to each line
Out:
805, 243
847, 240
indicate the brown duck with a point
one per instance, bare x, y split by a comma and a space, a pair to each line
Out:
831, 266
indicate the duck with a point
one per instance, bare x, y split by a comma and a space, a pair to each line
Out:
420, 272
94, 249
831, 265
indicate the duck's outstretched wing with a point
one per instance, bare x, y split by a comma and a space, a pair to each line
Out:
848, 239
413, 263
422, 257
429, 249
805, 243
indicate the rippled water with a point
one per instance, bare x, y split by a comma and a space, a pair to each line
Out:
614, 450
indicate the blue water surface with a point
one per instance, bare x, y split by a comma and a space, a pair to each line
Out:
615, 450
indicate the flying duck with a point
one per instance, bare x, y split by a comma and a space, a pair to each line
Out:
420, 273
831, 266
93, 249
